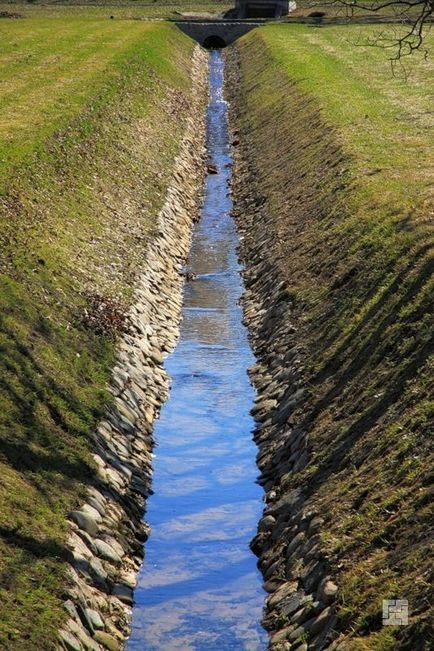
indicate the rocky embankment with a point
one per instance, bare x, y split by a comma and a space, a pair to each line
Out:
107, 532
300, 608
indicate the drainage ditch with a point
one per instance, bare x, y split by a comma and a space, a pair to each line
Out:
199, 587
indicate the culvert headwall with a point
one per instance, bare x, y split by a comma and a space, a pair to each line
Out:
216, 33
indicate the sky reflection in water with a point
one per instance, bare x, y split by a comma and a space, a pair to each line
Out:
199, 587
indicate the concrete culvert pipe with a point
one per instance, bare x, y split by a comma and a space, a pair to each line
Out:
214, 42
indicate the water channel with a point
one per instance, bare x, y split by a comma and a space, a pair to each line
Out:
199, 587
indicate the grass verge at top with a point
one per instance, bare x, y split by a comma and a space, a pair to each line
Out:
86, 164
349, 177
119, 10
48, 70
384, 121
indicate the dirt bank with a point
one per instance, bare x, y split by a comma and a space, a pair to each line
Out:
79, 201
107, 531
342, 406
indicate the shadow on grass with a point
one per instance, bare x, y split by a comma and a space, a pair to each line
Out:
38, 548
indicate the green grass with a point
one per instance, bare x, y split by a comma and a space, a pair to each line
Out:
349, 183
132, 9
41, 90
90, 125
384, 120
332, 9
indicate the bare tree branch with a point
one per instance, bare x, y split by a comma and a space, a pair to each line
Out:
412, 16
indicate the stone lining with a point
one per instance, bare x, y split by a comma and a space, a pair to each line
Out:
107, 532
300, 609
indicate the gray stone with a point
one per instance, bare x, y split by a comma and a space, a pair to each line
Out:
87, 547
105, 551
129, 579
289, 502
294, 603
312, 575
124, 593
94, 513
272, 585
97, 505
295, 543
71, 609
115, 544
284, 591
272, 570
321, 621
69, 640
315, 525
108, 641
114, 478
156, 357
280, 636
267, 523
85, 521
81, 634
300, 631
327, 591
263, 405
81, 564
94, 618
98, 571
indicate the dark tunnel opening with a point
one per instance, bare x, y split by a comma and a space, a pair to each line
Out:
214, 42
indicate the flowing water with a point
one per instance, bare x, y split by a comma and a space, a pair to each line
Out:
199, 587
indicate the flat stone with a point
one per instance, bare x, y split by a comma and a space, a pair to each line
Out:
87, 541
272, 585
114, 477
288, 502
312, 575
315, 525
156, 357
70, 641
81, 564
294, 603
301, 630
267, 523
79, 631
97, 505
321, 621
85, 521
94, 618
71, 609
105, 551
124, 593
98, 572
115, 544
295, 543
258, 543
284, 591
273, 570
327, 591
107, 640
263, 405
90, 510
129, 579
280, 636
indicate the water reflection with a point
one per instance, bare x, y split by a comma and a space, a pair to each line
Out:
199, 588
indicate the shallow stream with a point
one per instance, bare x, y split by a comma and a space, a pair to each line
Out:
199, 587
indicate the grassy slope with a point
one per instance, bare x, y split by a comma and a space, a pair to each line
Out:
88, 158
350, 187
332, 8
119, 9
